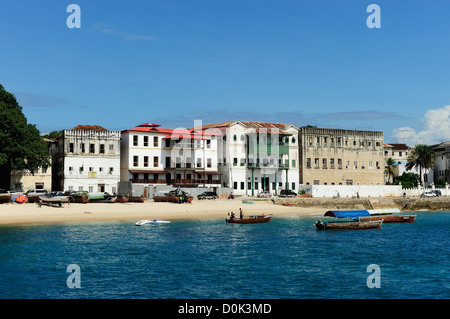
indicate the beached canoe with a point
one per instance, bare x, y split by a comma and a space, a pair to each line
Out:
249, 220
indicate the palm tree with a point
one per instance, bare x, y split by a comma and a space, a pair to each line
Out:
421, 156
390, 167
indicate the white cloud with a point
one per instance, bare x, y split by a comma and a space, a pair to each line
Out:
436, 128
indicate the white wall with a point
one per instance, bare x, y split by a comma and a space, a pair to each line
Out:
353, 190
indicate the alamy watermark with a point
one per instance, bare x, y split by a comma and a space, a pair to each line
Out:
74, 19
74, 279
374, 279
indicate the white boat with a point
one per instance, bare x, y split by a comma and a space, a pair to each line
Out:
152, 222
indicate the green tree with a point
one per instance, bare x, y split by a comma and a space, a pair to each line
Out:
389, 169
422, 156
52, 135
21, 146
408, 180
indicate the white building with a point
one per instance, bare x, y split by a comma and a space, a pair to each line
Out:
86, 158
441, 165
256, 156
152, 155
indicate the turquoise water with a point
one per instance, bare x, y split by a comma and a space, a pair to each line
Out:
286, 258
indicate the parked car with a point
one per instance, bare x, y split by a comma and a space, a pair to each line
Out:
38, 192
287, 193
437, 192
265, 194
428, 194
207, 195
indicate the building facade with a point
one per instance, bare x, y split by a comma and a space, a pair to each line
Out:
256, 156
152, 155
86, 158
340, 157
441, 166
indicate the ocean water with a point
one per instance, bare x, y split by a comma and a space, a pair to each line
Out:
286, 258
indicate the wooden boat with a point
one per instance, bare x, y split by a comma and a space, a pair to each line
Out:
137, 199
5, 197
78, 197
348, 224
249, 220
351, 220
391, 218
390, 215
32, 198
53, 200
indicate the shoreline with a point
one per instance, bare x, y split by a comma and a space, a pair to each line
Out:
30, 213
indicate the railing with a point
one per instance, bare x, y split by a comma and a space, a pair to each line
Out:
267, 165
148, 181
180, 182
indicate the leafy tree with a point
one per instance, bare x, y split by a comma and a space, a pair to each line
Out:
21, 146
389, 169
52, 135
422, 156
408, 180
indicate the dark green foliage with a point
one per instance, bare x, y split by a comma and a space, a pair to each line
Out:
21, 146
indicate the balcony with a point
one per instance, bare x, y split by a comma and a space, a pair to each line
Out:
282, 149
268, 165
194, 182
148, 181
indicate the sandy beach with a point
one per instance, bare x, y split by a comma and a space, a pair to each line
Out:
16, 214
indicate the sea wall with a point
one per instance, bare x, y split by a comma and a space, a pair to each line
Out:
416, 203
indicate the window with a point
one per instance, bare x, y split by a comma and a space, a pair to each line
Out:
324, 142
316, 182
235, 185
167, 142
102, 148
135, 161
316, 163
308, 163
70, 169
199, 162
331, 162
80, 188
242, 161
293, 140
155, 141
91, 169
83, 150
339, 163
145, 140
145, 161
70, 147
310, 141
293, 185
208, 143
318, 141
100, 169
111, 147
293, 163
208, 162
339, 142
242, 185
111, 170
91, 148
324, 163
81, 169
378, 165
155, 161
363, 164
235, 160
348, 182
234, 137
135, 140
249, 185
91, 189
355, 164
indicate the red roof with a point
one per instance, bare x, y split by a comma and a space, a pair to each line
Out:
148, 125
89, 128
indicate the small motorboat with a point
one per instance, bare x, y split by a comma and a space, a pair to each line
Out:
152, 222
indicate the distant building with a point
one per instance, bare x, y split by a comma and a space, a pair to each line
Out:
340, 157
41, 178
152, 155
256, 156
399, 154
441, 167
86, 158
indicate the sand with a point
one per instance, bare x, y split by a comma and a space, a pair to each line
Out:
30, 213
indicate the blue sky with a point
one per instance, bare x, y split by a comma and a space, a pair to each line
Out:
172, 61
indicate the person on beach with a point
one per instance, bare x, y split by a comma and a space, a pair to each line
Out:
241, 213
